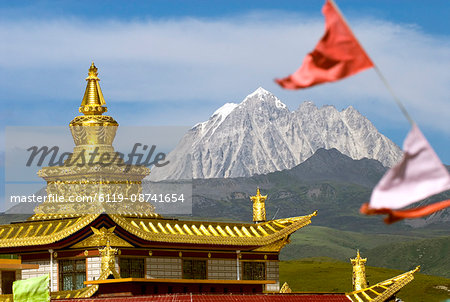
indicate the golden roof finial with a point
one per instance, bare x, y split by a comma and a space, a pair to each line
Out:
259, 207
93, 101
285, 289
108, 261
358, 260
359, 272
92, 72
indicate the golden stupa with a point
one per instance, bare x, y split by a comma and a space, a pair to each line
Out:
95, 177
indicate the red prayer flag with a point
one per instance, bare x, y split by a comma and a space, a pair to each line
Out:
337, 55
420, 174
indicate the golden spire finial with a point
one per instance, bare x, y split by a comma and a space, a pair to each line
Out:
93, 101
259, 207
359, 272
92, 71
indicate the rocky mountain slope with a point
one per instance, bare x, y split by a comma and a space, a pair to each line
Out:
261, 135
328, 181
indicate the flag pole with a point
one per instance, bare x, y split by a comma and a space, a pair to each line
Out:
396, 99
377, 70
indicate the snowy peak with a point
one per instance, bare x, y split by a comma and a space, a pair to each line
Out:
260, 96
260, 135
259, 92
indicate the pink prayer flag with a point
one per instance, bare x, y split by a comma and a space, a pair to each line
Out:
419, 175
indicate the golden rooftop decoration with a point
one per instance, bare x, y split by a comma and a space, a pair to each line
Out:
359, 272
383, 290
285, 289
108, 262
101, 237
259, 207
93, 100
93, 104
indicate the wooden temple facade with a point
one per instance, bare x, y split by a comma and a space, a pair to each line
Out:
99, 250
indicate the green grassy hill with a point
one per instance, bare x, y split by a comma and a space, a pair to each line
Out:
313, 241
328, 275
399, 251
431, 254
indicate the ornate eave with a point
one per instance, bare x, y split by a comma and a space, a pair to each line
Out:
383, 290
41, 232
84, 292
272, 234
218, 233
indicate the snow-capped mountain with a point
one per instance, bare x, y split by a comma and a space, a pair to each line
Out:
262, 135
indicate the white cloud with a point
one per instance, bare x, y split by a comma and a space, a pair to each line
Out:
220, 60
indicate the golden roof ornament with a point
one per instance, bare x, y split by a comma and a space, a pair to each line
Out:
93, 104
100, 238
359, 272
285, 289
93, 101
108, 262
259, 207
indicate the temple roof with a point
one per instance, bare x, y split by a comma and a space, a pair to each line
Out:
217, 233
32, 233
42, 232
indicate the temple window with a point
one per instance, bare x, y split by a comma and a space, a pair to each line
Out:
194, 269
253, 270
132, 267
72, 274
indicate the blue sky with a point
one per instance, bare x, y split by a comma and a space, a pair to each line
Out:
176, 62
431, 16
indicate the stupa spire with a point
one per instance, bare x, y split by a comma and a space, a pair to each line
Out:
93, 101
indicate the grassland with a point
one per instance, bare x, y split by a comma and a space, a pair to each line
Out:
314, 241
431, 254
403, 251
328, 275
